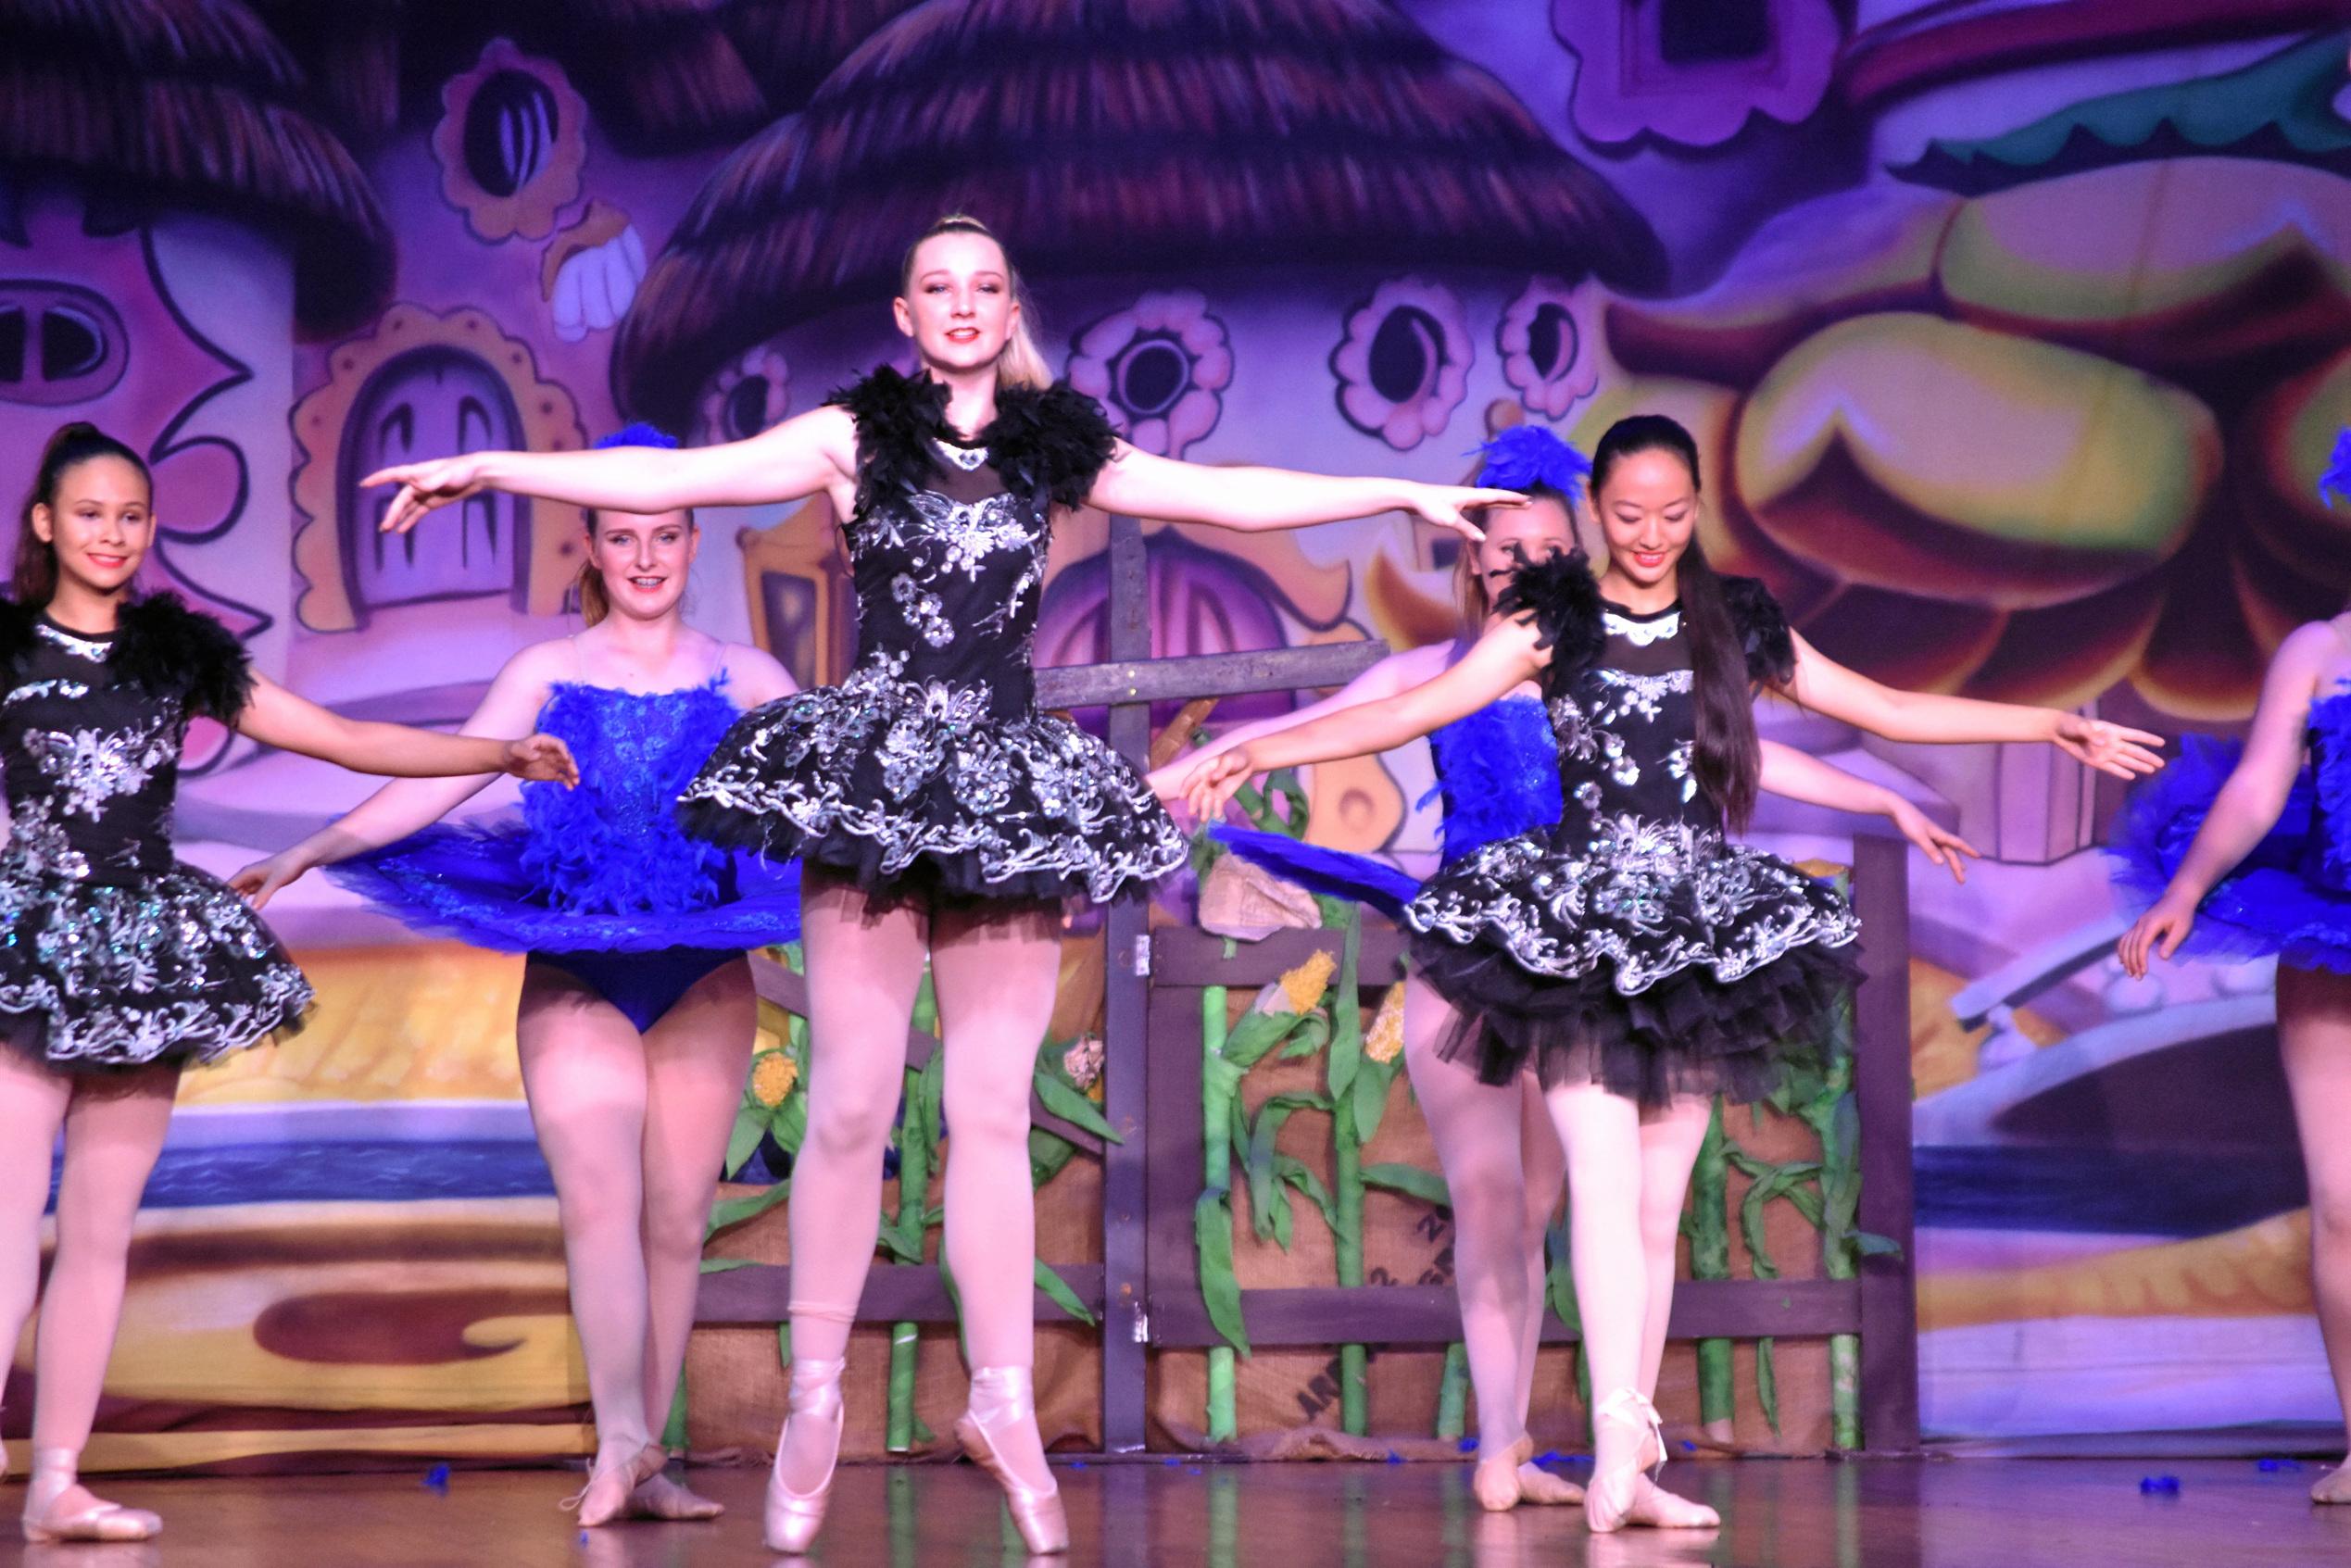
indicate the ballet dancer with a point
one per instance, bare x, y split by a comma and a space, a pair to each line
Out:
637, 1013
118, 965
1635, 958
1497, 777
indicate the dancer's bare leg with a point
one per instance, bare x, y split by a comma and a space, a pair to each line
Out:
1600, 1133
114, 1128
584, 1076
1475, 1130
696, 1056
1546, 1173
864, 966
2314, 1039
1669, 1141
32, 1110
995, 968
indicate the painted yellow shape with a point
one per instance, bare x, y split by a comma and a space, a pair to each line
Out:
1943, 1054
2260, 1270
403, 1021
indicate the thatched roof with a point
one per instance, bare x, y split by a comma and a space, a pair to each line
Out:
792, 46
661, 75
194, 102
1107, 135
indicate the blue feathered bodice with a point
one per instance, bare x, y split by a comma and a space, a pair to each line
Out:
603, 866
1497, 773
2291, 896
612, 846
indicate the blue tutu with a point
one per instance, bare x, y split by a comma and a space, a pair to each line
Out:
1498, 776
602, 868
2289, 897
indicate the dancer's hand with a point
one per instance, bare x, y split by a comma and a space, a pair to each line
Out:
542, 759
1211, 782
2161, 930
2111, 748
258, 882
1447, 505
1936, 842
425, 486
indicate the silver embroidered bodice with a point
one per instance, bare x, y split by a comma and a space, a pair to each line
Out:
92, 766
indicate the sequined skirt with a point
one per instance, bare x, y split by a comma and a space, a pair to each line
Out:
1686, 969
172, 965
895, 786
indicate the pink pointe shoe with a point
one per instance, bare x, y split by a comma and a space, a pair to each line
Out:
794, 1518
56, 1472
1002, 1398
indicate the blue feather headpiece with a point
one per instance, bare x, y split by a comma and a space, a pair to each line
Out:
639, 434
2337, 481
1525, 456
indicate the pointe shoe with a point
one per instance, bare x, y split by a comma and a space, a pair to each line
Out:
1001, 1397
56, 1471
1539, 1486
2335, 1486
1496, 1482
793, 1518
1609, 1500
609, 1488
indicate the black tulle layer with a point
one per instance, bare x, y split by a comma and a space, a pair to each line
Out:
1689, 1034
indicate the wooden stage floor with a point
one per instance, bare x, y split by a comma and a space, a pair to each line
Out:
1955, 1513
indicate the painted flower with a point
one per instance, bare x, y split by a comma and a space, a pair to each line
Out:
1403, 365
772, 1076
1158, 368
1083, 1061
1542, 344
1696, 74
746, 396
1385, 1042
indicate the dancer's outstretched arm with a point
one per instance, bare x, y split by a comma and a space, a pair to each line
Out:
274, 715
1258, 499
815, 451
1826, 686
2248, 805
1391, 675
1799, 775
1499, 660
508, 711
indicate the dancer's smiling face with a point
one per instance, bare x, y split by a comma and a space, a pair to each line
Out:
643, 560
100, 522
959, 301
1647, 504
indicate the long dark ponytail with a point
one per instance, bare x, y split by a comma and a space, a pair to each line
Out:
32, 580
1728, 759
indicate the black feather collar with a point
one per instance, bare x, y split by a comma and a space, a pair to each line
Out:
1046, 444
161, 646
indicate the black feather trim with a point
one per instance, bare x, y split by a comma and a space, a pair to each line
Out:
167, 649
1052, 441
1762, 629
898, 417
17, 622
1560, 595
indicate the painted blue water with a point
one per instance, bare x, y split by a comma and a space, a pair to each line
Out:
360, 1171
2116, 1191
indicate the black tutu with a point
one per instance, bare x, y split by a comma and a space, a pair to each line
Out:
885, 782
1691, 982
175, 965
